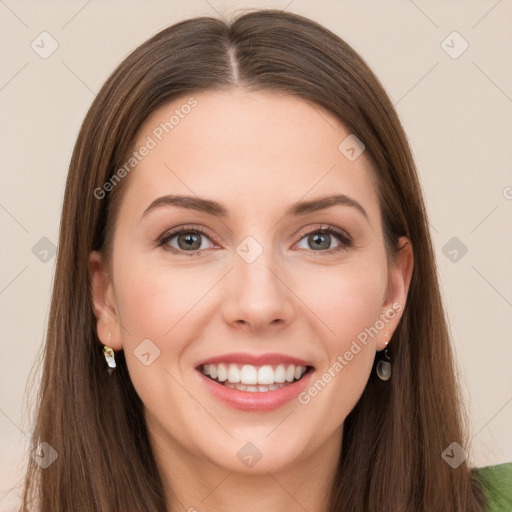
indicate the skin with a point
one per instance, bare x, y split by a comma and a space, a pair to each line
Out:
256, 153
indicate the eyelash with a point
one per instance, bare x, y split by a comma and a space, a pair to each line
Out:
345, 242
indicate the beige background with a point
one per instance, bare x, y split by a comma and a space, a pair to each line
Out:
456, 111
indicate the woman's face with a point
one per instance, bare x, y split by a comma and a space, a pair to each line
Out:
252, 288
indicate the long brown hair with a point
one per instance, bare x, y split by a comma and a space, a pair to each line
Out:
394, 437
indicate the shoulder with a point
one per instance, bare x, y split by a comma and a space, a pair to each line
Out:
496, 484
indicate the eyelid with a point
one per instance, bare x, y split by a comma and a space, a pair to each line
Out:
326, 228
168, 235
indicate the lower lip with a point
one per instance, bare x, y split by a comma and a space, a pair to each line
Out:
256, 401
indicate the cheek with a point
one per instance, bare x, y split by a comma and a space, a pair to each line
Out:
156, 303
348, 301
153, 303
154, 299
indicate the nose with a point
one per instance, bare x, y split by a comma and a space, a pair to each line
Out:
257, 296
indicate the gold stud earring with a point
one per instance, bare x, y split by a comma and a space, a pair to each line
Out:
109, 355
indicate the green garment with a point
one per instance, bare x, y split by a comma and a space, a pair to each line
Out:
496, 483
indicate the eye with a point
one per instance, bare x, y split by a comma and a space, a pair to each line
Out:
188, 240
321, 238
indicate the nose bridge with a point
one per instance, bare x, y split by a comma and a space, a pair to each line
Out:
256, 291
255, 259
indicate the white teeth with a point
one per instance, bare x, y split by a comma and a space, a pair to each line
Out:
266, 375
222, 372
280, 374
249, 375
253, 389
252, 376
233, 373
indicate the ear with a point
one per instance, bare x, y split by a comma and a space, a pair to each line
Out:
400, 273
104, 303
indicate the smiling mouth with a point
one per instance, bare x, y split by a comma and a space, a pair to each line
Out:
246, 377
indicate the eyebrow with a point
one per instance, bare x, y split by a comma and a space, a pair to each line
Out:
218, 210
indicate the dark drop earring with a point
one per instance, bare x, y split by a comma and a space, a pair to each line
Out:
383, 367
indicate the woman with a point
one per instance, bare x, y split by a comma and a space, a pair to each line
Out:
298, 356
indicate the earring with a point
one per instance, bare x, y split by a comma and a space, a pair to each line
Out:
109, 356
383, 367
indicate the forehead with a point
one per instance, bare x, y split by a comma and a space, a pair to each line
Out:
246, 149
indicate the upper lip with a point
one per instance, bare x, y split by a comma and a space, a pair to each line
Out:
255, 360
